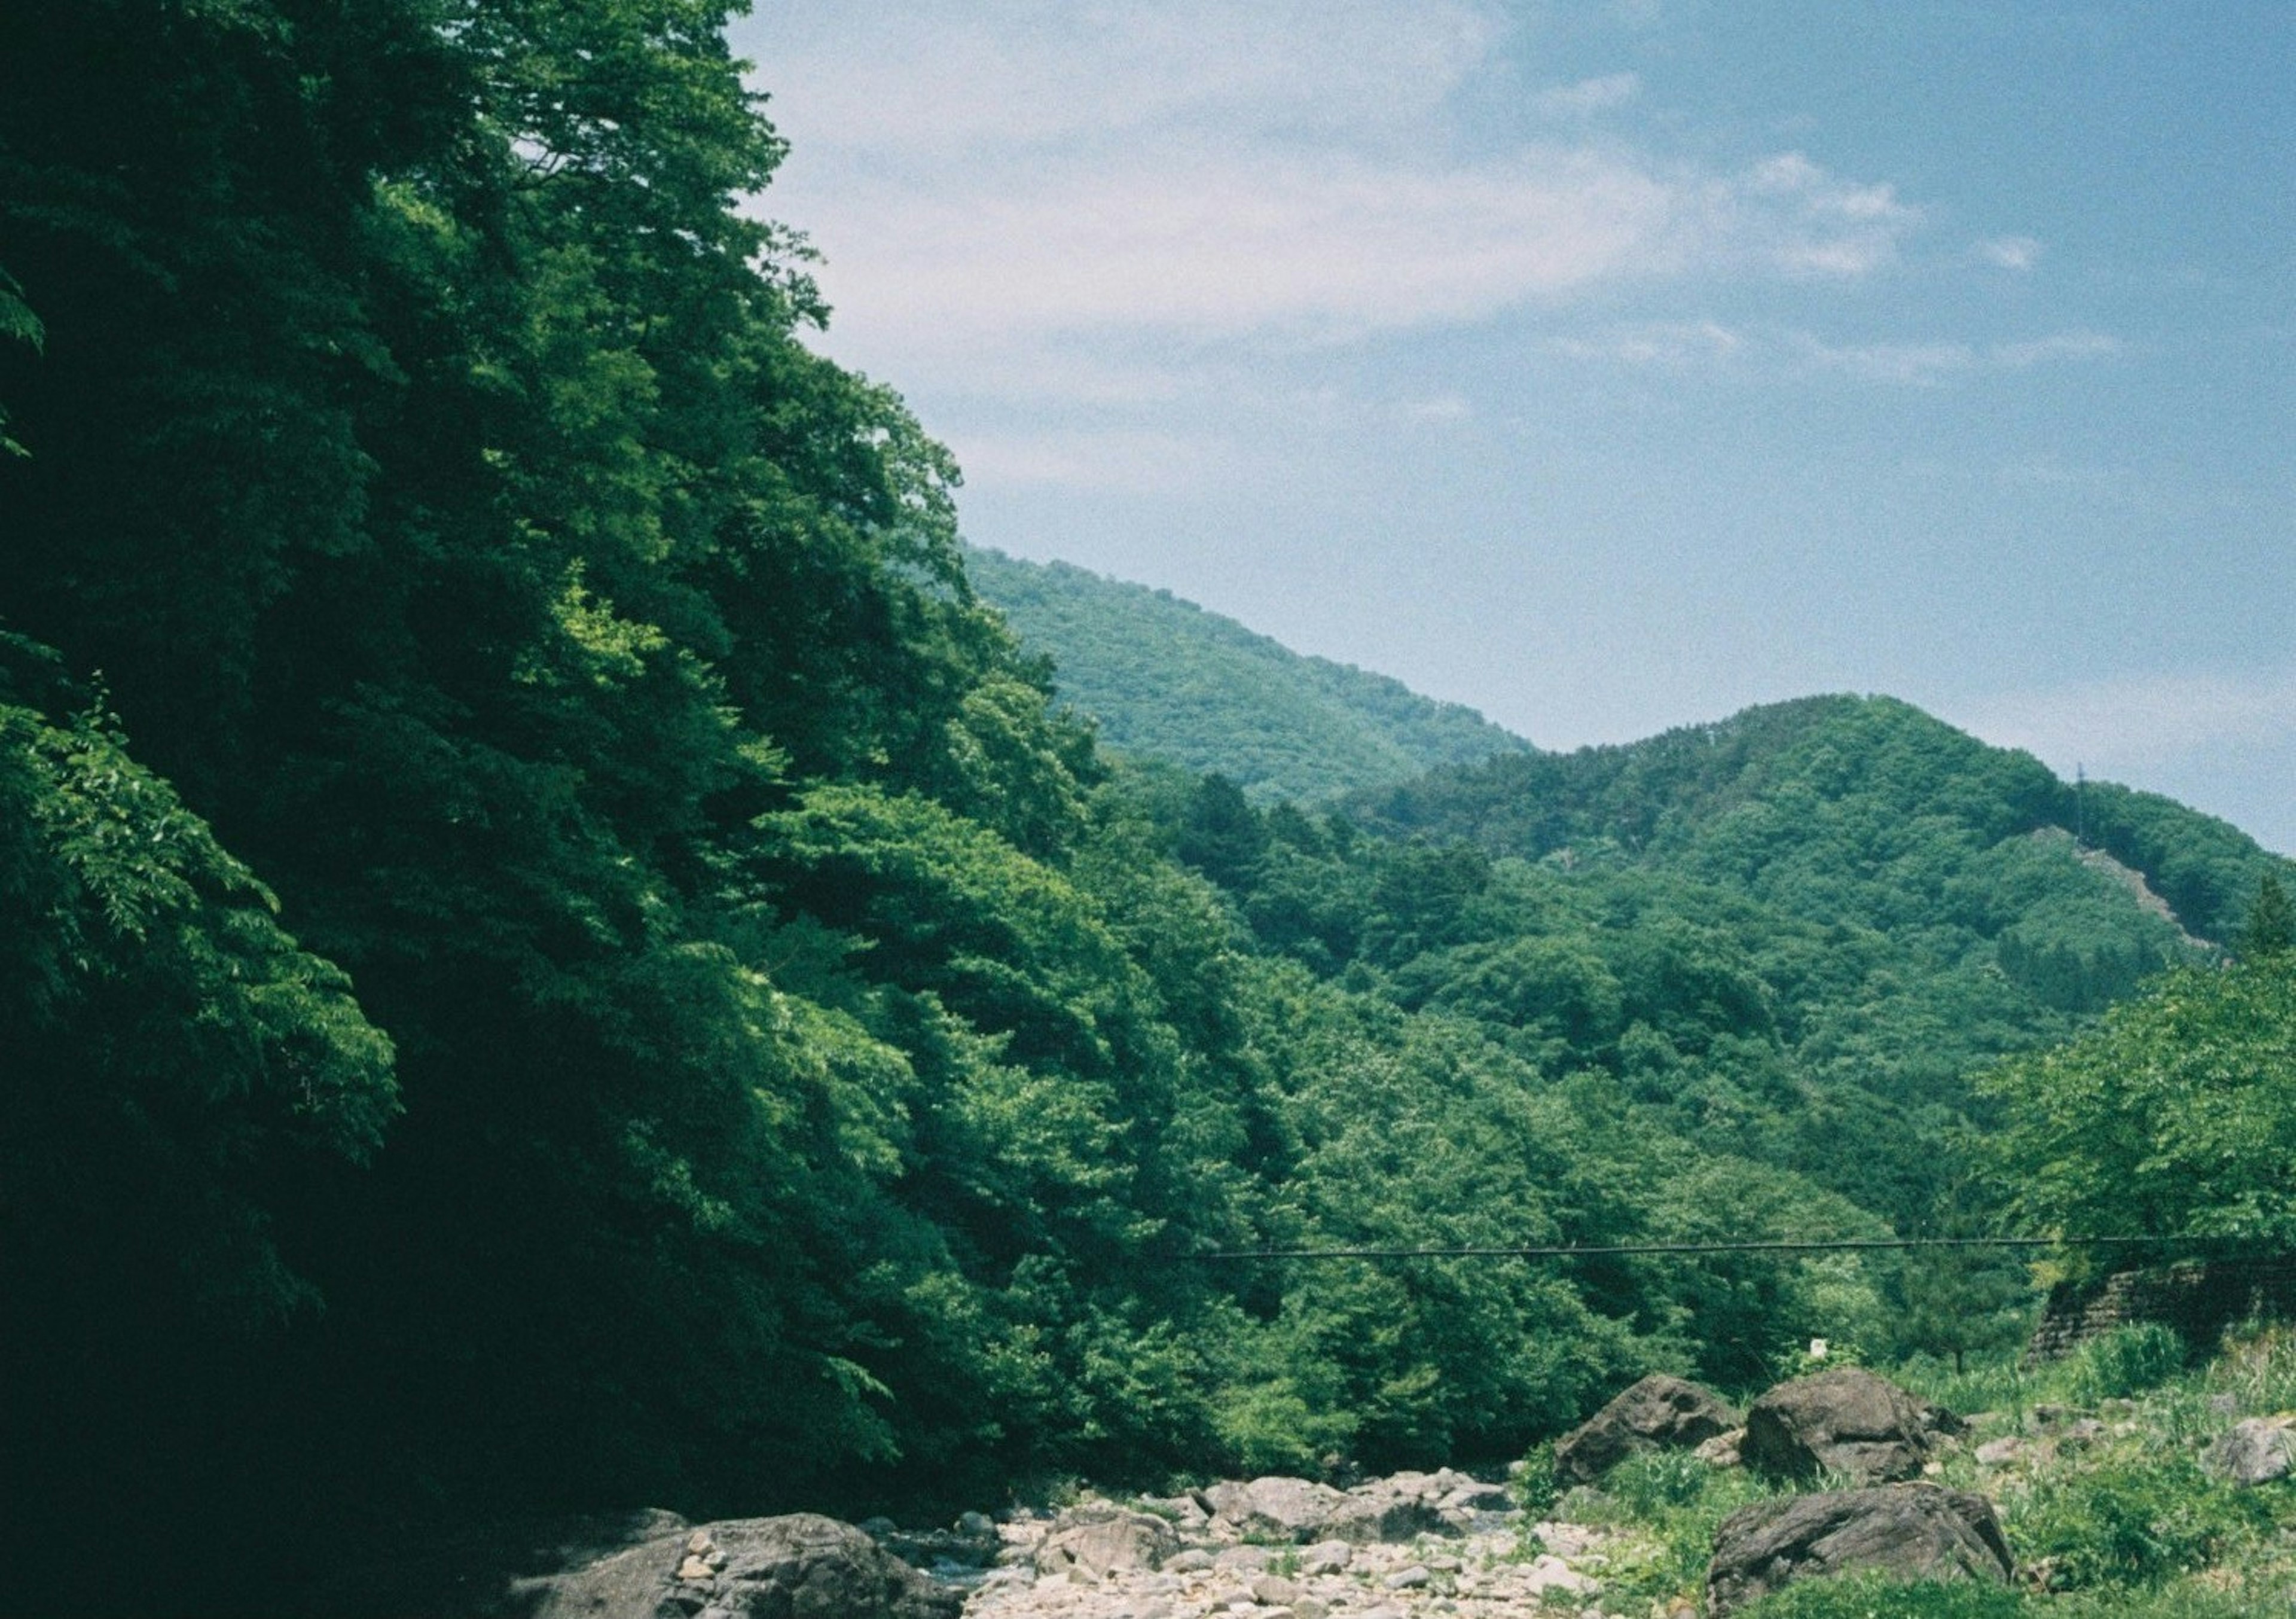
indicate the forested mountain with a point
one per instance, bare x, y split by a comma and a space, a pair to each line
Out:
558, 956
1164, 679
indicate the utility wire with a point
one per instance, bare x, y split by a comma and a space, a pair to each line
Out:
1787, 1247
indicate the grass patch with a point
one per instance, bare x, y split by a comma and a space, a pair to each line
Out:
1666, 1505
2116, 1521
2133, 1520
1875, 1597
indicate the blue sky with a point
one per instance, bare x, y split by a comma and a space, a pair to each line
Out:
1614, 366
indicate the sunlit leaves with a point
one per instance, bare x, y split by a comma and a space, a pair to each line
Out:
154, 1005
2176, 1116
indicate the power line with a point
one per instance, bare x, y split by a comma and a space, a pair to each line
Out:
1795, 1245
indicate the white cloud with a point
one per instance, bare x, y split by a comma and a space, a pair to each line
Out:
1928, 364
1667, 343
1588, 95
942, 80
2142, 722
1134, 461
1677, 344
2011, 252
1807, 222
1921, 364
1008, 190
2058, 346
1202, 246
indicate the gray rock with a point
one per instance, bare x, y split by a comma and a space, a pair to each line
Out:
1474, 1496
1722, 1449
1107, 1542
1407, 1579
801, 1566
1195, 1560
973, 1543
1252, 1559
2256, 1451
1916, 1532
1275, 1508
1658, 1413
1846, 1421
1270, 1591
1386, 1509
1185, 1511
1326, 1557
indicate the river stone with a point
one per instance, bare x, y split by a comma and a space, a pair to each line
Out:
800, 1566
1100, 1546
1384, 1509
1722, 1449
1272, 1590
2256, 1451
1660, 1413
1917, 1531
1275, 1508
1846, 1421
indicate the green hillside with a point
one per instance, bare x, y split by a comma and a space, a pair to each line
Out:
1165, 678
1789, 938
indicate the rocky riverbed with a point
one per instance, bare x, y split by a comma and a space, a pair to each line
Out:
1439, 1544
1411, 1545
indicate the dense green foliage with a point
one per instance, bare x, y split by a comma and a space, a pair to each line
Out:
558, 956
2177, 1116
1163, 678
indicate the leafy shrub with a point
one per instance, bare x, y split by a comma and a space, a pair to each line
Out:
1867, 1595
2132, 1521
1534, 1488
2128, 1361
1648, 1485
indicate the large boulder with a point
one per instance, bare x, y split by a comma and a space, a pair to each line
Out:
1101, 1542
1402, 1508
1914, 1531
1660, 1413
1846, 1421
1275, 1509
801, 1566
2256, 1451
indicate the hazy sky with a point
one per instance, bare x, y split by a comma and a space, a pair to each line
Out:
1614, 366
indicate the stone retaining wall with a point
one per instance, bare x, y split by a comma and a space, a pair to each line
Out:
2197, 1298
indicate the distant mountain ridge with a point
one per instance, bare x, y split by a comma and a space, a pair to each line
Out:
1838, 796
1836, 788
1167, 678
